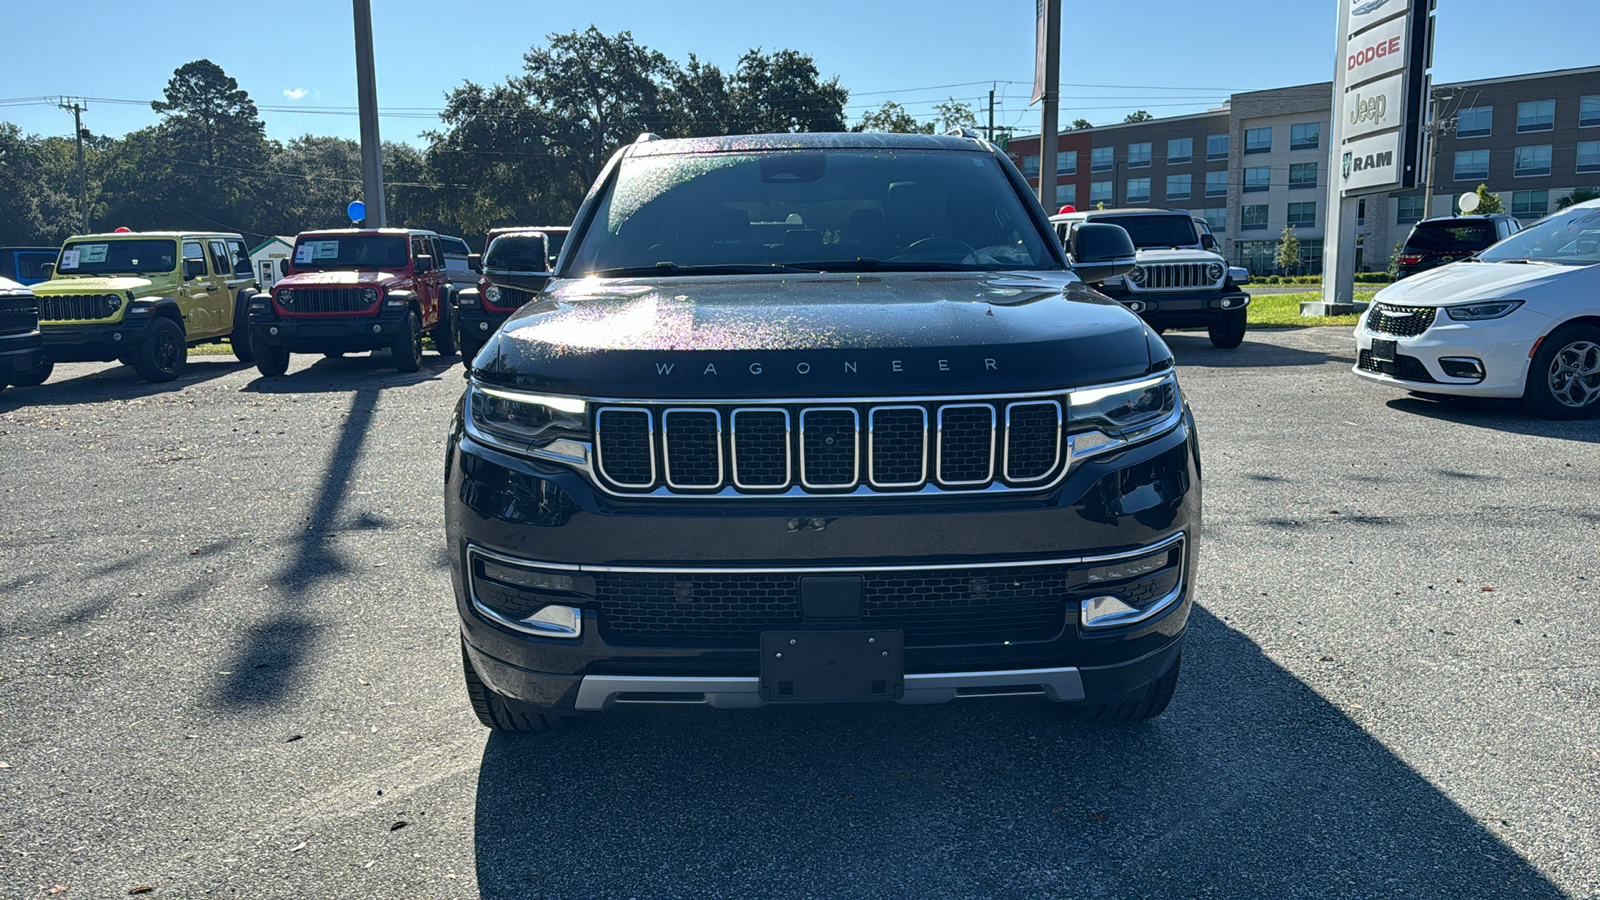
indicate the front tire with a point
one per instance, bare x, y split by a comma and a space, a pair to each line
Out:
35, 378
498, 712
407, 345
1136, 707
1564, 378
163, 354
240, 339
272, 360
1227, 332
444, 333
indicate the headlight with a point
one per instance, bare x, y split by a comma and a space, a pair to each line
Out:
113, 303
286, 297
492, 293
1104, 418
369, 296
557, 426
1137, 275
1214, 271
1493, 309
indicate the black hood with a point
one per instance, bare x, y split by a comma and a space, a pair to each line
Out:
767, 336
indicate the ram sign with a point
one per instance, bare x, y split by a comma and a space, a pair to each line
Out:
1379, 94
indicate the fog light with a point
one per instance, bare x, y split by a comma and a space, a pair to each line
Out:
483, 326
1462, 367
1228, 302
539, 581
116, 336
556, 621
1135, 306
377, 329
273, 330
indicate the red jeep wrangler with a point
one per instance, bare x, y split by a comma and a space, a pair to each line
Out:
350, 290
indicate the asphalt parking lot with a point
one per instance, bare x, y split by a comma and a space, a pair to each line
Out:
229, 667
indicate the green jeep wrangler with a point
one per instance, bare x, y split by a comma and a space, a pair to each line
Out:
144, 298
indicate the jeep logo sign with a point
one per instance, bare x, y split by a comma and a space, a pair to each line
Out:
1378, 97
1374, 106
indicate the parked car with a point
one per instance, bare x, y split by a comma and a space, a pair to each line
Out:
1236, 274
26, 265
21, 347
350, 290
1181, 280
821, 417
1436, 242
1519, 319
516, 265
460, 263
144, 298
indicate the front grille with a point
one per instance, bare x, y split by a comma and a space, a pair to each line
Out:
19, 313
1174, 277
306, 301
510, 298
888, 447
1400, 321
1406, 368
66, 307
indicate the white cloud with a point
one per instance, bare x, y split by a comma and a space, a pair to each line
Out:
295, 93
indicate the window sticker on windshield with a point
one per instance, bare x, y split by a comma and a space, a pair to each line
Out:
93, 253
325, 249
69, 259
302, 253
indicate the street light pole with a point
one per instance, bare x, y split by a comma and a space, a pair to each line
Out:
367, 98
1048, 140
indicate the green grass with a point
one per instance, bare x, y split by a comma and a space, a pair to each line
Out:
1283, 310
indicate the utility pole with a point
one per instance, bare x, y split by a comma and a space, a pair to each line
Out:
367, 98
1438, 126
1050, 22
77, 107
988, 133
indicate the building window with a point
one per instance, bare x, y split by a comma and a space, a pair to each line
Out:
1472, 164
1302, 175
1217, 184
1305, 136
1067, 162
1257, 178
1530, 161
1100, 192
1361, 212
1138, 190
1311, 255
1178, 186
1257, 140
1253, 218
1180, 151
1589, 156
1408, 209
1100, 159
1260, 257
1530, 203
1589, 111
1030, 167
1066, 195
1217, 146
1475, 122
1139, 155
1536, 115
1217, 218
1303, 213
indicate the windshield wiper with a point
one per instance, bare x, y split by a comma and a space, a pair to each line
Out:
868, 264
1532, 262
668, 268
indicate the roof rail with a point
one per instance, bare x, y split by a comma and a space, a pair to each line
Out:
646, 136
963, 132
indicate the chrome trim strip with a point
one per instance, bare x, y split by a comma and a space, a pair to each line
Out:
938, 454
872, 460
513, 624
666, 452
599, 463
855, 447
597, 692
863, 399
826, 570
1005, 453
788, 449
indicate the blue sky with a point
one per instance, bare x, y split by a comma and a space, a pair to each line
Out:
295, 56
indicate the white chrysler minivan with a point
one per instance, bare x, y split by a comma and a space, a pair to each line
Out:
1521, 319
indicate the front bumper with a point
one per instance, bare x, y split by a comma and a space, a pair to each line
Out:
544, 514
1502, 346
93, 342
481, 322
328, 334
20, 353
1182, 309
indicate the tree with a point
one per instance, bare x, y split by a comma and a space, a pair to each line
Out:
1488, 202
1288, 251
1138, 116
38, 187
1578, 195
1080, 124
783, 92
892, 118
953, 114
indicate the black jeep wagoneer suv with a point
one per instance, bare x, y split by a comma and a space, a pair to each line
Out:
821, 418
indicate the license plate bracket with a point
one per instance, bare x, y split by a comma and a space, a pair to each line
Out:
1384, 351
832, 666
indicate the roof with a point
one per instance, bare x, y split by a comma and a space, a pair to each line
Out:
849, 140
1127, 211
129, 235
45, 249
9, 286
277, 237
527, 229
406, 231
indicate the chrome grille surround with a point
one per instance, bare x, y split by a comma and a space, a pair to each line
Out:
753, 449
70, 307
1012, 409
1176, 276
1400, 321
700, 471
600, 417
873, 442
950, 471
822, 447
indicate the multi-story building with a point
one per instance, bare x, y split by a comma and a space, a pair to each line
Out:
1262, 162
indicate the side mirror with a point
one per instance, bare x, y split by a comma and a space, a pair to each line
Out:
1207, 242
475, 262
48, 270
424, 263
1101, 251
193, 268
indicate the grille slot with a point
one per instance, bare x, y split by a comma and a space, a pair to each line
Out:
897, 446
693, 452
1400, 321
760, 440
966, 444
1175, 276
1406, 368
625, 447
66, 307
1033, 440
828, 447
307, 301
19, 313
510, 298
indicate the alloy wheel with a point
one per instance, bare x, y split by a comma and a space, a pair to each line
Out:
1575, 374
166, 354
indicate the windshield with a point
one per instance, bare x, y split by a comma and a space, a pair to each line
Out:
351, 251
524, 252
1152, 232
1451, 236
1570, 238
834, 210
118, 257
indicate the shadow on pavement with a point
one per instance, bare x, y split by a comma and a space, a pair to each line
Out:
1251, 785
1193, 348
351, 373
1498, 415
115, 382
